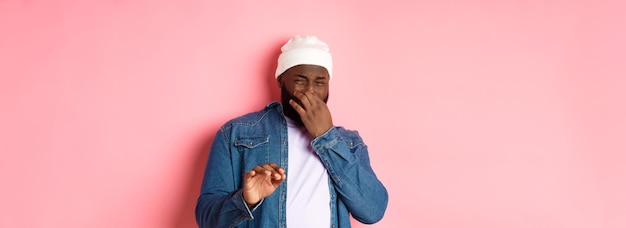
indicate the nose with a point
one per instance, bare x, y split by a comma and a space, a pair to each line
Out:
309, 89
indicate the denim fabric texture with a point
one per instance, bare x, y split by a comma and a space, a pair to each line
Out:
261, 137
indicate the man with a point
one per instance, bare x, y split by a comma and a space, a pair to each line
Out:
288, 165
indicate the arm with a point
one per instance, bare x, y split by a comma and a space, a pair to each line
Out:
220, 203
346, 158
223, 202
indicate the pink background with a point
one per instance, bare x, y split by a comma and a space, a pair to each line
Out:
477, 113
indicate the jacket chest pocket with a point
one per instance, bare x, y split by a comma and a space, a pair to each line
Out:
253, 150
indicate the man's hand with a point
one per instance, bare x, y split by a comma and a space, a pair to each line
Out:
261, 182
314, 113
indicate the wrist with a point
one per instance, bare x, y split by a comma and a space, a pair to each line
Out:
249, 203
323, 131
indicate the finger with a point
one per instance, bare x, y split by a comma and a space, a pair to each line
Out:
273, 169
260, 170
313, 99
249, 175
279, 171
304, 98
282, 178
268, 166
299, 109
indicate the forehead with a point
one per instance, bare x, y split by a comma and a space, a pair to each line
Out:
307, 71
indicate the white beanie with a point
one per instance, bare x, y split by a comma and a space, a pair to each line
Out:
304, 50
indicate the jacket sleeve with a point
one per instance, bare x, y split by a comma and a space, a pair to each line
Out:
221, 202
346, 159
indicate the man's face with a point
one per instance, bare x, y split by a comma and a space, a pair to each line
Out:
304, 78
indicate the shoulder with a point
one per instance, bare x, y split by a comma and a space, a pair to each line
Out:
269, 112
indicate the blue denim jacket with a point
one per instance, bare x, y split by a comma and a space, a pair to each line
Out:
261, 137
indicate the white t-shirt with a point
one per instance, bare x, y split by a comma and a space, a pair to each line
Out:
308, 196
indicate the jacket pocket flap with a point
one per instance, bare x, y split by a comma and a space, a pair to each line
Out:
252, 141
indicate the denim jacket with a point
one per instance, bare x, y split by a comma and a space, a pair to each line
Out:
261, 137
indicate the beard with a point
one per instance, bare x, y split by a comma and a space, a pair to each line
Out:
289, 111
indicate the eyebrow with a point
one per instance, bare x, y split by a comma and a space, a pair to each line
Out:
305, 77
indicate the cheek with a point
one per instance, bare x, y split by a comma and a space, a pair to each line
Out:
300, 88
292, 89
322, 92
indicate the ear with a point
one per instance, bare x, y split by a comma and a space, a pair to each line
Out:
279, 81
